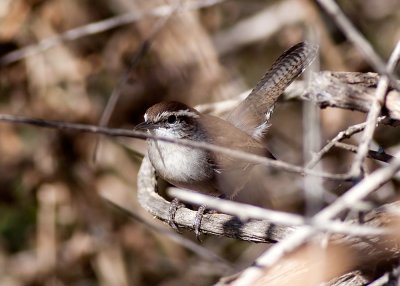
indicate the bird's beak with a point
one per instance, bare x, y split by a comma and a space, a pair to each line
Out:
144, 126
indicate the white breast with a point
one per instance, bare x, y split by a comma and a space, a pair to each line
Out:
180, 165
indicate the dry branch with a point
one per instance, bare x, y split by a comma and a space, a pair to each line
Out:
217, 224
245, 212
377, 155
350, 90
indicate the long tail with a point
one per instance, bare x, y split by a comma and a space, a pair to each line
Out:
252, 114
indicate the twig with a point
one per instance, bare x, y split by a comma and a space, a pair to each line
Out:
358, 40
245, 212
377, 155
184, 142
350, 131
372, 119
355, 194
98, 27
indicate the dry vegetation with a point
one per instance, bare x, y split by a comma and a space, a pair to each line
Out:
65, 220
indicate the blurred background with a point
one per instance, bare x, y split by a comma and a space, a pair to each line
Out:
55, 227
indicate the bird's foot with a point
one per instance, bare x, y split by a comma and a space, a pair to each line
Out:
175, 205
197, 221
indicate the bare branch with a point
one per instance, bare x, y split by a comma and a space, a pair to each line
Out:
216, 224
348, 90
195, 144
377, 155
350, 131
245, 212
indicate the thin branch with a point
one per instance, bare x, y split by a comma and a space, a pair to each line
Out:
98, 27
184, 142
361, 190
358, 40
377, 155
350, 131
372, 119
245, 212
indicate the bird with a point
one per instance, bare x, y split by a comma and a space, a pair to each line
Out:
243, 129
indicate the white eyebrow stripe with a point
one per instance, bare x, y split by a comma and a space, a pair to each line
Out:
185, 112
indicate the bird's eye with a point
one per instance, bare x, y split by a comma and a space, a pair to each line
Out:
171, 119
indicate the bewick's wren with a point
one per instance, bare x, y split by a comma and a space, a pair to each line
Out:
208, 172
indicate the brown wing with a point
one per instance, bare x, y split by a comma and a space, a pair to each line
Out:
223, 133
231, 174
